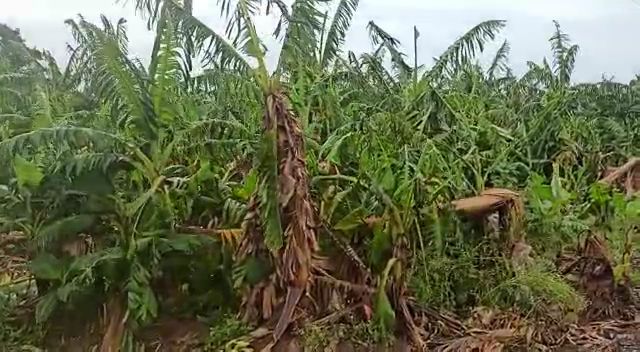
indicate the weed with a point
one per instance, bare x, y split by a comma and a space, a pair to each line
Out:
226, 334
534, 289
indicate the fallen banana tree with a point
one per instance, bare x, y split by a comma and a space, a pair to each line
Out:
626, 176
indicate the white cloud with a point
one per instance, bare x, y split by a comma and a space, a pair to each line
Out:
603, 28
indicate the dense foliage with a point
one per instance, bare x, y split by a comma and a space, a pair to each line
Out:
169, 190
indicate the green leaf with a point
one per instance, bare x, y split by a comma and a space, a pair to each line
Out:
337, 199
64, 292
248, 187
47, 267
539, 189
180, 243
387, 180
380, 247
558, 191
46, 305
141, 300
338, 30
74, 137
256, 270
204, 173
93, 182
599, 193
334, 153
87, 263
384, 314
27, 173
351, 220
269, 192
64, 228
42, 117
151, 302
4, 191
633, 209
145, 197
41, 121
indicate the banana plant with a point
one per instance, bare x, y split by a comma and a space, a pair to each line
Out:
125, 180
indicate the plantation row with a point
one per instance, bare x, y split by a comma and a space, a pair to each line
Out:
323, 201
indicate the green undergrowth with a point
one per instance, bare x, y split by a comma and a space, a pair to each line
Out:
559, 214
533, 290
462, 283
228, 334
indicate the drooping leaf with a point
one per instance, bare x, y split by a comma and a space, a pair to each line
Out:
384, 314
392, 45
300, 43
334, 203
564, 55
386, 179
338, 30
380, 247
500, 61
64, 228
352, 220
45, 307
94, 182
466, 47
142, 200
334, 152
46, 267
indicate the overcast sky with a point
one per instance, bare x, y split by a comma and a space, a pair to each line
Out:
604, 29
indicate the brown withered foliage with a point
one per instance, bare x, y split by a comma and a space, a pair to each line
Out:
481, 341
596, 277
605, 336
258, 301
493, 330
590, 267
293, 265
296, 207
506, 203
490, 200
304, 284
114, 322
14, 256
504, 210
626, 176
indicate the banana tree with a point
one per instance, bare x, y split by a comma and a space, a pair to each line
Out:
280, 228
128, 174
